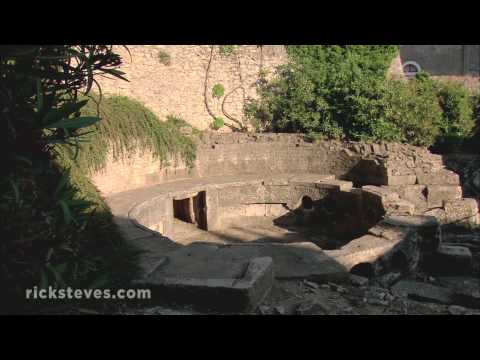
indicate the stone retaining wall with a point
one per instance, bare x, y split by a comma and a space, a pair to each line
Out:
233, 154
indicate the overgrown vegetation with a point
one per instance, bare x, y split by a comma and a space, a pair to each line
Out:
342, 92
48, 236
56, 228
128, 126
458, 117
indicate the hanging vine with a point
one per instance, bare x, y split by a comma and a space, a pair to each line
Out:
240, 124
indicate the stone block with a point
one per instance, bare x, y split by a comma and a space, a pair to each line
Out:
442, 177
437, 194
399, 207
381, 192
371, 255
438, 214
401, 180
213, 293
463, 212
412, 193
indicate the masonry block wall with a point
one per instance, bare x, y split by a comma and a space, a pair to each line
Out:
177, 86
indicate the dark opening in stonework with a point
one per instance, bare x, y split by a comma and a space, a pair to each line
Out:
192, 210
307, 202
363, 269
181, 210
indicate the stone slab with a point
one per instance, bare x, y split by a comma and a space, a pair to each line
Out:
427, 227
291, 261
368, 249
423, 292
214, 293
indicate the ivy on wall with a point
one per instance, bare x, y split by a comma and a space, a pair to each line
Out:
218, 90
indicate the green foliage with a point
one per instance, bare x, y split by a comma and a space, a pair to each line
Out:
314, 137
458, 105
183, 126
218, 123
218, 90
164, 57
227, 50
341, 92
128, 126
333, 90
50, 235
412, 108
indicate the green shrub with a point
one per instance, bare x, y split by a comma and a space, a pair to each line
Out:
473, 143
413, 108
218, 90
458, 122
164, 57
333, 90
218, 123
342, 92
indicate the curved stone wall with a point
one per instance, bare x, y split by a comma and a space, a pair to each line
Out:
388, 199
256, 154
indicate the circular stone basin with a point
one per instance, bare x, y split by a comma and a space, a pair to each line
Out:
340, 222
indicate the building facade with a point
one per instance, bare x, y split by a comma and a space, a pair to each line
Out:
441, 60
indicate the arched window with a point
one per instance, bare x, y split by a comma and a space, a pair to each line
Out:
411, 68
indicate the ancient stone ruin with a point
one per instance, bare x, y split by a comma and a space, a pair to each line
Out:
257, 208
